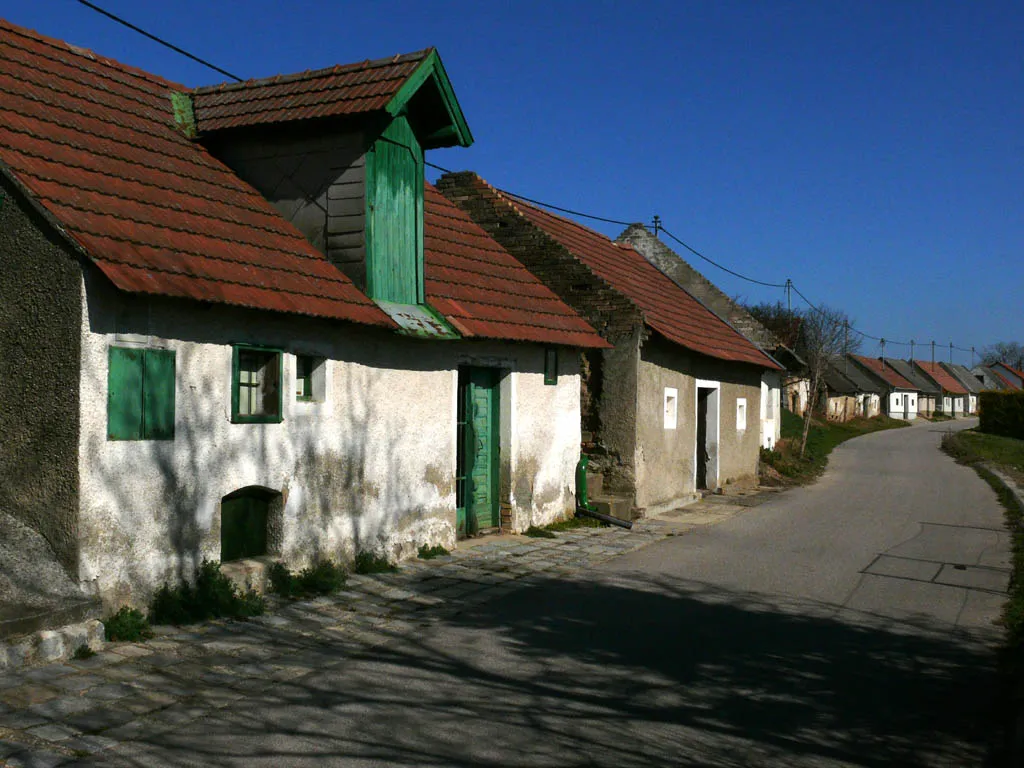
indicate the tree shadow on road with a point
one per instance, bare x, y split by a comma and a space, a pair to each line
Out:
617, 672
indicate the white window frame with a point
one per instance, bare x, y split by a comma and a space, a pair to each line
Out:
741, 414
671, 407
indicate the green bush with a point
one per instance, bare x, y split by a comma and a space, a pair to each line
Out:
429, 553
578, 521
128, 625
368, 562
1002, 413
323, 578
211, 596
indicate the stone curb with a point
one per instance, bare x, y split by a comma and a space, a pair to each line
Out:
50, 645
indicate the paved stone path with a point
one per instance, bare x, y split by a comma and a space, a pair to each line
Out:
77, 713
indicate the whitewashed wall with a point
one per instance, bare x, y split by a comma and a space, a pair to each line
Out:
896, 405
371, 467
771, 404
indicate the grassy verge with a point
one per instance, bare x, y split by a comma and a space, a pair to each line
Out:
981, 451
977, 449
821, 439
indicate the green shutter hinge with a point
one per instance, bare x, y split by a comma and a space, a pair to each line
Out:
184, 117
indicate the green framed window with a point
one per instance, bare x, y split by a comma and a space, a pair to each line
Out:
550, 365
140, 394
256, 385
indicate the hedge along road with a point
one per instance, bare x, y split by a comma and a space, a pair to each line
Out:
831, 626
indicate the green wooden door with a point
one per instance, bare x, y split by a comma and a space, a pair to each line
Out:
394, 193
479, 441
243, 526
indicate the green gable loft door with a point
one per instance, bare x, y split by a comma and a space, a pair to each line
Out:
394, 196
477, 455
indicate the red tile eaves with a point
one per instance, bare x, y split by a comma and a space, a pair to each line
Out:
667, 308
942, 377
484, 291
886, 373
93, 142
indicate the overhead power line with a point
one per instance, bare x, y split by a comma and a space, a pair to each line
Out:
658, 225
156, 39
697, 253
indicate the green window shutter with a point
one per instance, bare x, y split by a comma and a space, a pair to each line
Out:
158, 394
124, 394
395, 216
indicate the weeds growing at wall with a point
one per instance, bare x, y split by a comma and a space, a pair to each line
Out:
368, 562
324, 578
128, 625
429, 553
212, 595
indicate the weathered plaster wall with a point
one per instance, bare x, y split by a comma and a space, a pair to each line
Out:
665, 458
371, 467
902, 404
40, 310
843, 407
617, 436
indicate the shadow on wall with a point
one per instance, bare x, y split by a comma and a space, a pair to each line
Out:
620, 673
152, 513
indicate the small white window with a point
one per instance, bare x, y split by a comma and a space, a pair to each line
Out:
671, 407
310, 378
741, 414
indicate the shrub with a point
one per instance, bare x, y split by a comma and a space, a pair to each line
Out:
538, 533
128, 625
83, 652
212, 596
368, 562
321, 579
1002, 413
579, 521
429, 553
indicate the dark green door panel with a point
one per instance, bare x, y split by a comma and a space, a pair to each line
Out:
479, 446
243, 526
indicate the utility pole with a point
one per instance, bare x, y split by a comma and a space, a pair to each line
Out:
911, 350
951, 353
881, 343
657, 224
846, 346
972, 357
789, 295
933, 352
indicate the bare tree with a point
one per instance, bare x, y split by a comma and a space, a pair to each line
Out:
1009, 352
824, 337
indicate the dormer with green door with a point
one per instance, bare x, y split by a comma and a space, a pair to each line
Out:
340, 153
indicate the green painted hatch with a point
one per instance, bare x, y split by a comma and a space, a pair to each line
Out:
476, 472
243, 524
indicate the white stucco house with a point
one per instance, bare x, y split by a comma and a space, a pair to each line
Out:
250, 329
899, 396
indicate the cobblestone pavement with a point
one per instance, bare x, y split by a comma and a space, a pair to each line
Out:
77, 713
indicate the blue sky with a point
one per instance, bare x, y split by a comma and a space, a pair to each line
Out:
871, 151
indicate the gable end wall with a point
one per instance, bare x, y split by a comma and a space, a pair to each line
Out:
40, 320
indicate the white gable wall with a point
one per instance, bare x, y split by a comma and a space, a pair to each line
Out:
371, 468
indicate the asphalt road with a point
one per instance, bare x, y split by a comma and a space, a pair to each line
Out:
845, 624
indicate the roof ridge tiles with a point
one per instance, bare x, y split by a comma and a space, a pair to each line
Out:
311, 74
88, 54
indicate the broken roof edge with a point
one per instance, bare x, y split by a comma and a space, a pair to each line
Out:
639, 232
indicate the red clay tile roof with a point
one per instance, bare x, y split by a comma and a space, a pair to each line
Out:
483, 291
93, 141
942, 377
341, 90
667, 308
886, 373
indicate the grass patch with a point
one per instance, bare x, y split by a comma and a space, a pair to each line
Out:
83, 652
324, 578
212, 596
538, 533
575, 522
940, 417
368, 562
128, 625
429, 553
822, 438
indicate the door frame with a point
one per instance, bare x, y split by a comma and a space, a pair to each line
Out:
714, 419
